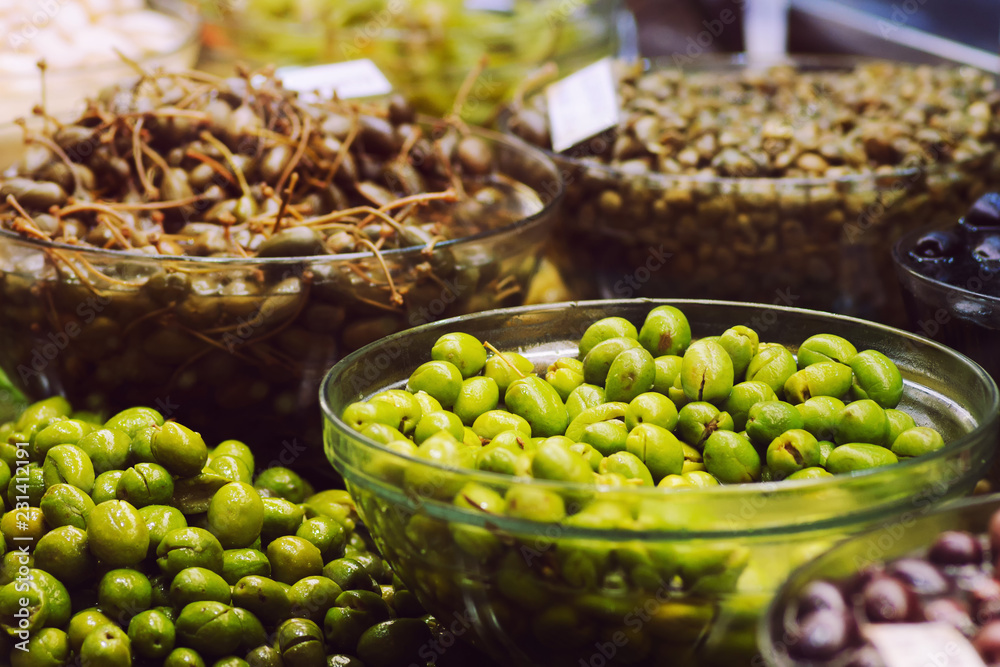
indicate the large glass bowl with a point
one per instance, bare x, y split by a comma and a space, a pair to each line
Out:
236, 348
900, 537
555, 594
425, 49
965, 316
66, 87
817, 242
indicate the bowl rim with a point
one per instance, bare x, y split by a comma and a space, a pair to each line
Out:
644, 493
742, 60
184, 13
765, 641
550, 205
899, 260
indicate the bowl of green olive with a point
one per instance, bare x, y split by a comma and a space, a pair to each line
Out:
211, 246
628, 482
812, 166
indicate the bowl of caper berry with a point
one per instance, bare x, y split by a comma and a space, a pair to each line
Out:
209, 247
812, 166
628, 482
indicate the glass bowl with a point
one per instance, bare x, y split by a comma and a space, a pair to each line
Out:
236, 348
965, 317
425, 49
65, 88
561, 594
900, 537
810, 242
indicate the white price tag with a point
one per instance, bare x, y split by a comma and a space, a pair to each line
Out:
351, 79
582, 105
502, 6
922, 645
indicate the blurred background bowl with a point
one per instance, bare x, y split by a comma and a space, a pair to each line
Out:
810, 242
425, 49
67, 87
964, 316
886, 542
697, 566
236, 348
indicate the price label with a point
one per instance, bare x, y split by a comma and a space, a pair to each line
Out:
351, 79
501, 6
582, 105
922, 645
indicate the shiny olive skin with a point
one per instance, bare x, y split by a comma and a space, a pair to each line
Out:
603, 329
851, 457
179, 449
665, 331
740, 342
707, 372
117, 533
743, 397
236, 515
917, 441
189, 547
876, 377
731, 458
773, 366
152, 634
862, 421
821, 348
792, 451
211, 628
632, 373
465, 352
440, 379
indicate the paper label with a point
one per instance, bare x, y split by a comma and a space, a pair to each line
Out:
503, 6
582, 105
922, 645
350, 79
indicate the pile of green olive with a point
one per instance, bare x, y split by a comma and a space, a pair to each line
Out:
132, 542
648, 406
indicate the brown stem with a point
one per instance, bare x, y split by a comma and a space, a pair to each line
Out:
12, 201
216, 166
230, 158
115, 231
287, 197
455, 118
297, 155
394, 295
147, 316
42, 69
148, 206
211, 341
54, 147
503, 359
151, 191
155, 157
342, 153
408, 145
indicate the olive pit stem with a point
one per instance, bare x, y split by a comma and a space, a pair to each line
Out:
507, 361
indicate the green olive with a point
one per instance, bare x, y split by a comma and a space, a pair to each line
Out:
731, 458
117, 533
665, 331
236, 515
465, 352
